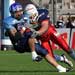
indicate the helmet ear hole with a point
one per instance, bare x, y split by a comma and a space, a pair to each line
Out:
11, 12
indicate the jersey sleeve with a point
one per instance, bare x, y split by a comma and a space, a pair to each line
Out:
7, 23
7, 26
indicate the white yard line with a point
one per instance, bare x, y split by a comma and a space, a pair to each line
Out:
15, 54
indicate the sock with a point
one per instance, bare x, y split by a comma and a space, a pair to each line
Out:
61, 58
58, 58
34, 55
61, 68
64, 59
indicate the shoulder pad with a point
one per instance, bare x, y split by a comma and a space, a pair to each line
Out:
9, 20
43, 14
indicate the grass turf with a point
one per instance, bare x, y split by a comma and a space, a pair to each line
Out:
13, 63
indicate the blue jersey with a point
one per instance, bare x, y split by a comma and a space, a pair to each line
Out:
10, 22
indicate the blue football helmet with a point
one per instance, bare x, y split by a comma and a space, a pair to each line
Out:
15, 7
16, 10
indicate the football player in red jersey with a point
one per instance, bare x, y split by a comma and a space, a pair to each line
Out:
45, 31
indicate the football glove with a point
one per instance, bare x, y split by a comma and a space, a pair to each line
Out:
34, 33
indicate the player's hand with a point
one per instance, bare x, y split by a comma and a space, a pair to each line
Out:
22, 30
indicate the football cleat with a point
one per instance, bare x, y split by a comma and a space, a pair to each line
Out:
65, 70
38, 59
67, 61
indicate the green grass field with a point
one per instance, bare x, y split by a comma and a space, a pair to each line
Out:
13, 63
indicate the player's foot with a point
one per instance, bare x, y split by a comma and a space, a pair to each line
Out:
64, 70
38, 59
68, 62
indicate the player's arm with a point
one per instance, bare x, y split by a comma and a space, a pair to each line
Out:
13, 31
44, 27
15, 34
10, 29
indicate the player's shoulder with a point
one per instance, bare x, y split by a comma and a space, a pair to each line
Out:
43, 14
44, 11
9, 20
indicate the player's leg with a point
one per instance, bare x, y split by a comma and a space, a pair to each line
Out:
57, 39
52, 61
40, 50
29, 42
35, 56
48, 47
62, 58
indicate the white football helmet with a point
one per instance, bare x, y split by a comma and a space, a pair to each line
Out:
31, 10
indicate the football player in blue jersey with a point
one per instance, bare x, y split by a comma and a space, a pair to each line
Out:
15, 26
20, 34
